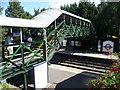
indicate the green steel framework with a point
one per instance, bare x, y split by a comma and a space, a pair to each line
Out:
10, 67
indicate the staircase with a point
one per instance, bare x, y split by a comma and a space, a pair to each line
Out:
25, 57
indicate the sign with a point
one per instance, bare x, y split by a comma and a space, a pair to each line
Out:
41, 75
72, 43
108, 46
64, 43
76, 43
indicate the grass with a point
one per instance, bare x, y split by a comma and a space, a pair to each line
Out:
5, 86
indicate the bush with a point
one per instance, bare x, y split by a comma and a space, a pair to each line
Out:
5, 86
111, 79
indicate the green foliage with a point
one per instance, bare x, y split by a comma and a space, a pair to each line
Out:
84, 9
107, 20
5, 86
3, 33
16, 11
111, 79
36, 12
1, 10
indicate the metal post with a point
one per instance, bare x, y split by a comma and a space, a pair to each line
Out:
80, 23
76, 21
45, 45
55, 24
21, 35
11, 31
24, 72
64, 17
70, 20
45, 50
25, 81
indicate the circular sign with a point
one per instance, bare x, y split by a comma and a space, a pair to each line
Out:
108, 46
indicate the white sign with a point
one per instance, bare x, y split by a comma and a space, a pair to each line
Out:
64, 42
41, 75
108, 46
76, 43
72, 43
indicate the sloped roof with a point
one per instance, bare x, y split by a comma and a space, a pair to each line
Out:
48, 16
18, 22
42, 20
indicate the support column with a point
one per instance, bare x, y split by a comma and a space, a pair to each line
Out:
21, 36
70, 20
45, 50
25, 73
84, 28
55, 24
1, 44
76, 21
45, 45
11, 31
64, 17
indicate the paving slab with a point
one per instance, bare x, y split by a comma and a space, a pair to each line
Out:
66, 77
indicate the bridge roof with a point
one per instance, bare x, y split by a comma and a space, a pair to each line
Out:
18, 22
48, 16
42, 20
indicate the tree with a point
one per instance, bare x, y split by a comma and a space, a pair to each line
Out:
36, 12
87, 10
1, 10
84, 9
72, 8
16, 11
107, 20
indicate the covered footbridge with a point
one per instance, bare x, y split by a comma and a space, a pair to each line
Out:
48, 29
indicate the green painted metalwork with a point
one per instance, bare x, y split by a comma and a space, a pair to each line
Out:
44, 51
8, 70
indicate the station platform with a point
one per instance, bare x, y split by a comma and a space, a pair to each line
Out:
87, 54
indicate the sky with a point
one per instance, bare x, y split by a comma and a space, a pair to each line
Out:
30, 5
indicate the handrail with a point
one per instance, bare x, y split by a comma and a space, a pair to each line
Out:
56, 28
37, 51
5, 45
31, 34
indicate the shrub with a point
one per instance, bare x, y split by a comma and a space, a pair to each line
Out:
5, 86
111, 79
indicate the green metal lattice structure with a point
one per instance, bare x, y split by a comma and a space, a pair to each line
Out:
65, 25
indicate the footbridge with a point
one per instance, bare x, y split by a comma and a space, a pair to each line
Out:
48, 29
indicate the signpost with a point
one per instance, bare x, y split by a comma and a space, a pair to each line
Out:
99, 46
41, 75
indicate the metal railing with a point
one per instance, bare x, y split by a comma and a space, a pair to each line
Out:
27, 55
20, 60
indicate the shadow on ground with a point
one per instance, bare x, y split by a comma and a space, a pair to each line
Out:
81, 80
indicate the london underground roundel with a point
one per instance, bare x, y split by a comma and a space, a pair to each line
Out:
108, 46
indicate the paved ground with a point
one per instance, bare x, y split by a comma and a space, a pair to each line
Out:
65, 77
87, 54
